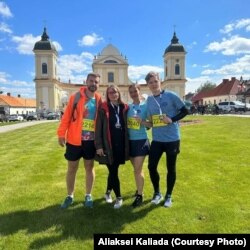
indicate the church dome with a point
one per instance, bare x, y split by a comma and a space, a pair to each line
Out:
44, 43
175, 46
110, 50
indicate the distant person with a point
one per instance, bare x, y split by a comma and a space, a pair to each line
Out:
165, 109
216, 109
138, 140
111, 140
76, 130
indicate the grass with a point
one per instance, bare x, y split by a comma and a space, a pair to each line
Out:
211, 194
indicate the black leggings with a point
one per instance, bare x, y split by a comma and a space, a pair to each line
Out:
113, 182
156, 150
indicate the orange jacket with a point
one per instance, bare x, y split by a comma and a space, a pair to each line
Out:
71, 129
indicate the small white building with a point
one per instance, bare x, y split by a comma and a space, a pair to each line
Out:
16, 105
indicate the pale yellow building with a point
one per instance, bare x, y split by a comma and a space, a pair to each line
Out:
52, 94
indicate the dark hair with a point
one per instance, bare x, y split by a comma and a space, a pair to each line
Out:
151, 74
93, 74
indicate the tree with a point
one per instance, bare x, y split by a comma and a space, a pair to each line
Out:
206, 86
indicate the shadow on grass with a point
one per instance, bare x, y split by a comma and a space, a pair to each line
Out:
76, 222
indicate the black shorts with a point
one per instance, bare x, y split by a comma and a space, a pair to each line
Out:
86, 151
139, 147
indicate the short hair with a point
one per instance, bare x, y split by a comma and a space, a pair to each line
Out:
151, 74
93, 74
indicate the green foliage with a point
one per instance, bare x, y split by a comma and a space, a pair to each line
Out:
211, 193
206, 86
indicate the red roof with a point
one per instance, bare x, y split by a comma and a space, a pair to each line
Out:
17, 101
227, 87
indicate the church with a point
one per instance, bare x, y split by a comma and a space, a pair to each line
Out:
52, 94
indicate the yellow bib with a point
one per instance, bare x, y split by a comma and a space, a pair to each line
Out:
157, 121
133, 123
88, 125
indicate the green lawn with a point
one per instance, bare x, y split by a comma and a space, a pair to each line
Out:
211, 193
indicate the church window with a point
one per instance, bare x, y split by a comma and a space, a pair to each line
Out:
110, 61
177, 69
44, 68
110, 77
166, 71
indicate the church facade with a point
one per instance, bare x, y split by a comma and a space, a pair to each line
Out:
52, 94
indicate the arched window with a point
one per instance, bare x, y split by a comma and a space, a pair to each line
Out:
110, 77
177, 69
166, 72
44, 68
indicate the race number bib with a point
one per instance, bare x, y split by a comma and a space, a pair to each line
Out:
88, 125
133, 123
157, 121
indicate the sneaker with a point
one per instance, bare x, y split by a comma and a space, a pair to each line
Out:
67, 202
157, 198
108, 198
88, 202
138, 201
118, 203
168, 202
136, 193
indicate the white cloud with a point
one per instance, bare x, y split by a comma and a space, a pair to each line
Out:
74, 66
233, 46
138, 73
206, 66
19, 83
90, 40
4, 10
26, 92
25, 43
5, 28
238, 24
193, 84
239, 67
16, 87
57, 45
4, 77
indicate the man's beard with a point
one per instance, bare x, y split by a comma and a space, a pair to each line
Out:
92, 88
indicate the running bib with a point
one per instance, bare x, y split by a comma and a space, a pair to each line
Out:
88, 125
157, 121
133, 123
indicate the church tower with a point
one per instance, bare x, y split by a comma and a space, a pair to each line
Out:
174, 67
46, 74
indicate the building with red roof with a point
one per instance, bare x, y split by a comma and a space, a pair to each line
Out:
16, 105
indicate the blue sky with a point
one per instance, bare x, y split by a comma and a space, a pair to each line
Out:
215, 34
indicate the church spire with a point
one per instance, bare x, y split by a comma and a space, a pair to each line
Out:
174, 40
44, 36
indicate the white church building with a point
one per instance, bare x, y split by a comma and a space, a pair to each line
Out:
52, 94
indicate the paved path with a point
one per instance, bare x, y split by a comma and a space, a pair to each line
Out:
24, 124
11, 127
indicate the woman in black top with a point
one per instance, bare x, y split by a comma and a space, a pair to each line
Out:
111, 140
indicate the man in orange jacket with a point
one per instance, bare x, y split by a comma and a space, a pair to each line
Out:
76, 131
